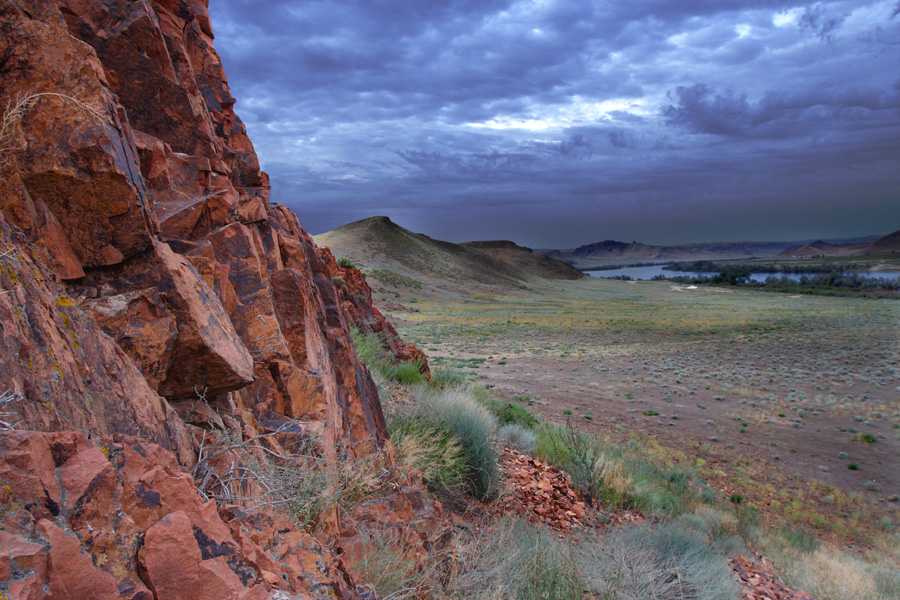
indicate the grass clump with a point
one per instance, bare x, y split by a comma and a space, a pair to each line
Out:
666, 562
510, 414
444, 376
506, 413
453, 418
516, 559
600, 477
328, 485
430, 448
393, 567
346, 263
300, 479
516, 436
830, 575
407, 373
370, 348
545, 568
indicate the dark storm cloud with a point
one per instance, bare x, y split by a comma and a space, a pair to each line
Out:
818, 19
781, 114
557, 123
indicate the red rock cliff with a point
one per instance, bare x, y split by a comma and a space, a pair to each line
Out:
149, 287
133, 180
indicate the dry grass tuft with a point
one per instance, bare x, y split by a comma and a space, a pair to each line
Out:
829, 575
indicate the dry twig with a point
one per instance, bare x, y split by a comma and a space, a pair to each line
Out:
5, 398
22, 104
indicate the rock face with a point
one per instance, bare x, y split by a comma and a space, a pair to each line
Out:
150, 290
123, 521
132, 181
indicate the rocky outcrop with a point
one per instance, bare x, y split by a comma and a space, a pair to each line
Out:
151, 297
121, 520
133, 180
60, 372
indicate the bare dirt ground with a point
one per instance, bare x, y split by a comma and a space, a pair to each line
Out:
793, 402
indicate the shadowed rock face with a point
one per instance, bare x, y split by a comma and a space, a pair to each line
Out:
142, 267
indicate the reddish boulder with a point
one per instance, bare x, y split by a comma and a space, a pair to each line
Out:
173, 326
20, 557
175, 567
127, 522
71, 572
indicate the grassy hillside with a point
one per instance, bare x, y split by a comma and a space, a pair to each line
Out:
528, 260
400, 258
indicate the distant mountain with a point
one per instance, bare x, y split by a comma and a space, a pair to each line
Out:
399, 257
615, 253
611, 252
884, 244
527, 259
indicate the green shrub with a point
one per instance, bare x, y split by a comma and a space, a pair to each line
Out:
614, 477
599, 476
346, 263
447, 377
510, 414
371, 350
506, 413
406, 373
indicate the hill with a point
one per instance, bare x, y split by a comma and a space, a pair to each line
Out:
885, 244
612, 252
527, 259
397, 256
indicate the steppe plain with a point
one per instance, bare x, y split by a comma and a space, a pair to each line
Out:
791, 401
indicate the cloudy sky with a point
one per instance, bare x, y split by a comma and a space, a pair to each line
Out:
557, 123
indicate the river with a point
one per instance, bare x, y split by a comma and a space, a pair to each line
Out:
649, 272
